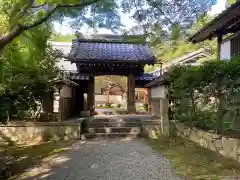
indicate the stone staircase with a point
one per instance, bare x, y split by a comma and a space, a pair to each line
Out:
112, 127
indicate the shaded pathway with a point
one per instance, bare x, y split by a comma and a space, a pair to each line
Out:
116, 159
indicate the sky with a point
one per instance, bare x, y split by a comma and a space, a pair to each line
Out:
66, 29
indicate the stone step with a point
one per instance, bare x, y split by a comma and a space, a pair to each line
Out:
112, 124
115, 130
115, 120
109, 135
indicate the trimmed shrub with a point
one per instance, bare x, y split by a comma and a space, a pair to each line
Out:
206, 96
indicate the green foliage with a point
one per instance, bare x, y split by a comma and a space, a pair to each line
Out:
179, 45
229, 2
29, 67
17, 16
206, 96
110, 82
119, 106
169, 15
63, 38
145, 106
108, 104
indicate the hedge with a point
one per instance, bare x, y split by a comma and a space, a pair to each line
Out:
206, 96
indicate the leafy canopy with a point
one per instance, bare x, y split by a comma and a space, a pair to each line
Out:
29, 68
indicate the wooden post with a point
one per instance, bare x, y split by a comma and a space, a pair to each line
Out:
90, 97
48, 102
73, 101
164, 116
219, 43
131, 94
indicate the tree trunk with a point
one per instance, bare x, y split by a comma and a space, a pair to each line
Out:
1, 69
193, 108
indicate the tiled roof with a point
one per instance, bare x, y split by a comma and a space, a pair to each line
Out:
160, 80
145, 77
99, 51
185, 59
224, 23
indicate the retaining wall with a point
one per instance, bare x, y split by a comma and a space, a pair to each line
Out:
36, 132
226, 146
151, 128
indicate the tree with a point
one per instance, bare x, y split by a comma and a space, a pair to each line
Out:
107, 83
22, 15
180, 46
229, 2
29, 73
167, 15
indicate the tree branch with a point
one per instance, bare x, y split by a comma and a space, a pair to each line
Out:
7, 38
84, 3
40, 5
40, 20
161, 11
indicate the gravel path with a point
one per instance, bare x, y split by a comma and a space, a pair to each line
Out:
116, 159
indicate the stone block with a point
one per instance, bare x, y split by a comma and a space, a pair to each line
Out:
194, 136
187, 131
199, 133
203, 143
232, 142
238, 159
85, 114
208, 136
218, 144
230, 147
212, 146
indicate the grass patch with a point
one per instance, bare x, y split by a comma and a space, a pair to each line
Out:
193, 161
24, 157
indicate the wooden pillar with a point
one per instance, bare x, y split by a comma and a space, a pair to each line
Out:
131, 94
73, 101
48, 102
90, 97
219, 43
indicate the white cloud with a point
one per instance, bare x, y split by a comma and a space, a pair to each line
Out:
62, 28
218, 7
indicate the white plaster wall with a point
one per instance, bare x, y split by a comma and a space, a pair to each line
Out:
56, 102
225, 50
116, 99
66, 92
65, 49
158, 92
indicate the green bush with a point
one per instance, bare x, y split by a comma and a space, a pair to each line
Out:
145, 106
206, 96
108, 105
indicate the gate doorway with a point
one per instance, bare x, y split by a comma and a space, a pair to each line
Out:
105, 57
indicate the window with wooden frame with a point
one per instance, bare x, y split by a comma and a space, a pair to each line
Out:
235, 46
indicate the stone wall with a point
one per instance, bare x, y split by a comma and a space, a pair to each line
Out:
228, 147
151, 129
36, 132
